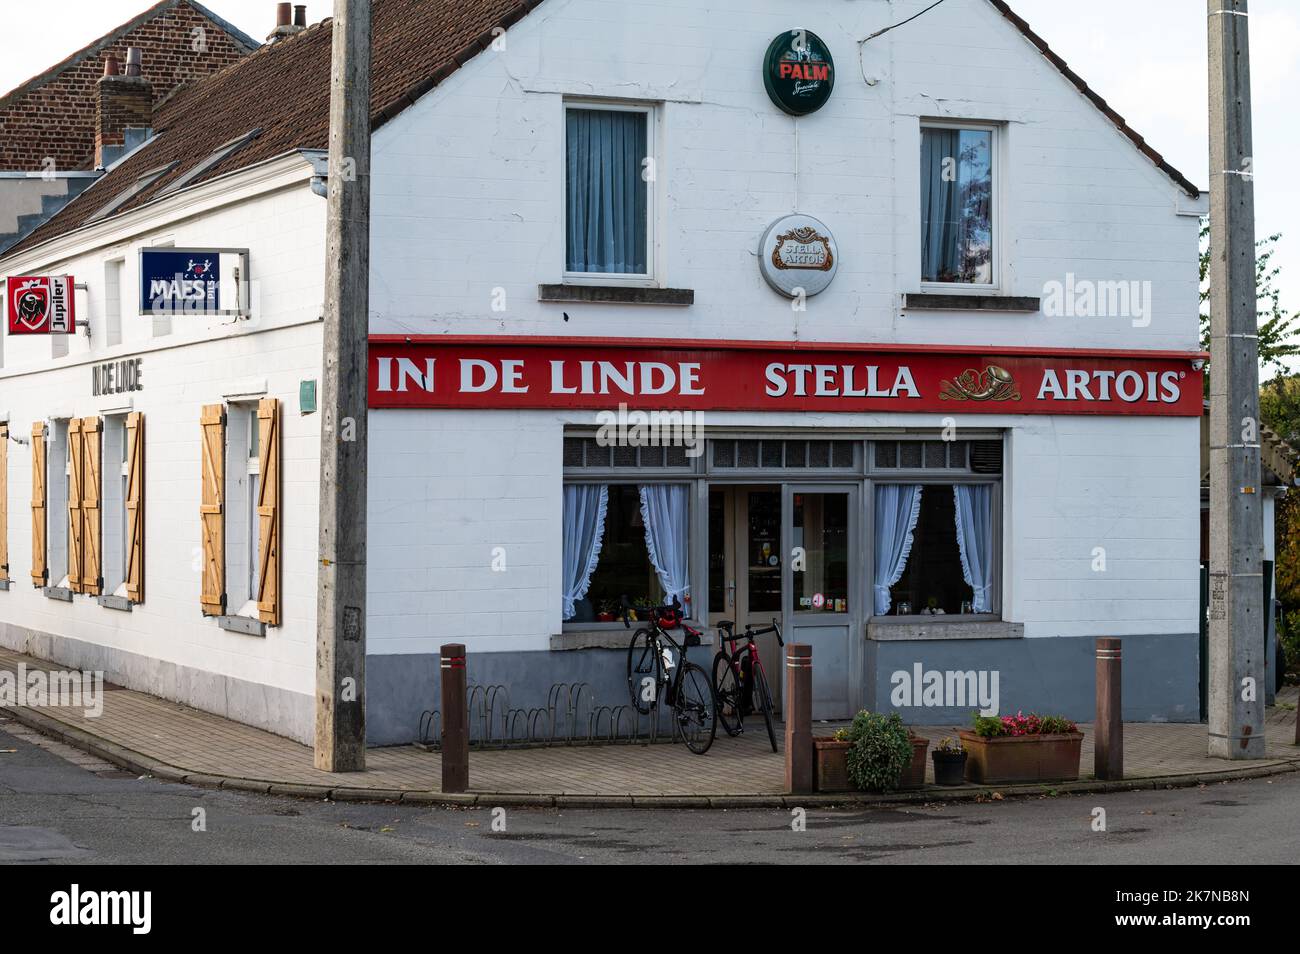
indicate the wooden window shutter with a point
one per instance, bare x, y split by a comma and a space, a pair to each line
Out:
4, 501
74, 505
268, 512
40, 570
135, 508
92, 569
212, 510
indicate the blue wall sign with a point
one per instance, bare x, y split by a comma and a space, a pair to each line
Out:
190, 281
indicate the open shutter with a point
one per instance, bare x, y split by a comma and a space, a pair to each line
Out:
268, 512
40, 570
74, 505
4, 501
135, 508
212, 509
92, 571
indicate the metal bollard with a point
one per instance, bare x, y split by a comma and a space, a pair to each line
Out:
798, 719
455, 720
1108, 750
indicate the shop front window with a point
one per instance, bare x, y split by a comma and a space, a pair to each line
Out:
624, 540
934, 549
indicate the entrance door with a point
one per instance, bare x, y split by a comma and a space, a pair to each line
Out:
746, 572
822, 578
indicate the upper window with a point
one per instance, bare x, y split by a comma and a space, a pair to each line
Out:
957, 178
609, 172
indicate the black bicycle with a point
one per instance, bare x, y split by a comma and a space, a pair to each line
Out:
654, 673
739, 681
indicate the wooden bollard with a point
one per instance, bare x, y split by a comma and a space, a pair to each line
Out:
455, 720
1108, 746
798, 719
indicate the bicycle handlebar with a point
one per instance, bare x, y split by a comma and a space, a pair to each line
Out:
751, 632
658, 614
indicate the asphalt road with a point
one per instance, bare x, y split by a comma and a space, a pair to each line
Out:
58, 805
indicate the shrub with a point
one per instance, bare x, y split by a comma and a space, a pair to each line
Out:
881, 750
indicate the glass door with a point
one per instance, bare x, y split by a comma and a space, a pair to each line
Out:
824, 581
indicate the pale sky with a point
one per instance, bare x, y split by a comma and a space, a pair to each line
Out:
1146, 57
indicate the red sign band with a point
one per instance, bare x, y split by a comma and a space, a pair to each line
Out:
743, 376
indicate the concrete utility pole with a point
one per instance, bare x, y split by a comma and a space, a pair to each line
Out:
341, 588
1236, 664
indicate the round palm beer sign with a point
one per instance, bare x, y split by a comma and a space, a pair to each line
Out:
799, 72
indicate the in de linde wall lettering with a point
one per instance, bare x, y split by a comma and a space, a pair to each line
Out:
117, 377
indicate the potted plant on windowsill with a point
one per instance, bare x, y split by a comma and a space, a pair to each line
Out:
949, 762
1022, 748
608, 612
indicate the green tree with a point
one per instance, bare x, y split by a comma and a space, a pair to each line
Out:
1277, 327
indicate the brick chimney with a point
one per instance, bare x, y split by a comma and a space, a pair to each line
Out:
123, 101
289, 19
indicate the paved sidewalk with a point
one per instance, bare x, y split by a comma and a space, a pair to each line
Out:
171, 741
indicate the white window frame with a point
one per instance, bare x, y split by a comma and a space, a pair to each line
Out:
996, 140
253, 469
650, 278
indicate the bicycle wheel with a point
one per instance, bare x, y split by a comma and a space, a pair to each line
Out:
695, 716
643, 668
726, 688
765, 703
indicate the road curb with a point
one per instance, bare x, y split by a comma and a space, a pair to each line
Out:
144, 765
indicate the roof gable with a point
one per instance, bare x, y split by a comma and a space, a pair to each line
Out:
283, 89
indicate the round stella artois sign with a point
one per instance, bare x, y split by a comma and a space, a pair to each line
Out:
798, 72
798, 253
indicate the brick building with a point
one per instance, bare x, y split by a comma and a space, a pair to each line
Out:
47, 124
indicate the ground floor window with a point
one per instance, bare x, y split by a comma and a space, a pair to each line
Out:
624, 540
934, 549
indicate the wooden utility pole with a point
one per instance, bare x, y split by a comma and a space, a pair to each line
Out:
341, 586
1236, 663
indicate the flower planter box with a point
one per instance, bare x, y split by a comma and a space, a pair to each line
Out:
831, 765
1008, 759
914, 775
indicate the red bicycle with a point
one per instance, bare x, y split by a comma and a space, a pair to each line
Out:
739, 681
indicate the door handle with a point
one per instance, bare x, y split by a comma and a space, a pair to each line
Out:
731, 593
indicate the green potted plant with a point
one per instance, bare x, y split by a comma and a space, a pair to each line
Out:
880, 753
608, 611
949, 762
1022, 748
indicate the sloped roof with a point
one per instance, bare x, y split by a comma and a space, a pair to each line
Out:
109, 39
283, 88
1181, 180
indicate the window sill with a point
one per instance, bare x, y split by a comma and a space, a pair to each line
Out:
890, 628
609, 636
57, 593
616, 295
116, 603
927, 301
242, 624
